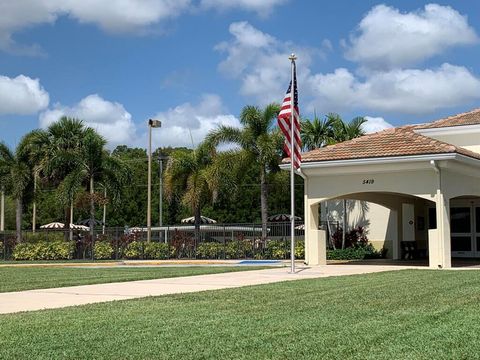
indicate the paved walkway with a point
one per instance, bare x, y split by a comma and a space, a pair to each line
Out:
31, 300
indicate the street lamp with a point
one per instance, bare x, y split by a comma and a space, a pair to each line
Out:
151, 124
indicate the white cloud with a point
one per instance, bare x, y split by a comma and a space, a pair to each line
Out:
110, 119
261, 62
22, 95
195, 119
114, 16
410, 91
387, 38
117, 16
262, 7
375, 124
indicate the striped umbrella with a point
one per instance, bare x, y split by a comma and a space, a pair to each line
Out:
53, 225
282, 218
79, 227
203, 220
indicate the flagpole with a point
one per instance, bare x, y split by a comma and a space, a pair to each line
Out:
292, 58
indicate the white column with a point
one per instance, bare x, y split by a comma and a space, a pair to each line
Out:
440, 254
315, 239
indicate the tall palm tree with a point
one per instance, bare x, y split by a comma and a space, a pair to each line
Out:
93, 163
16, 175
55, 151
261, 143
196, 177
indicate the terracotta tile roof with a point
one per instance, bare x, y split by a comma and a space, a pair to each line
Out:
401, 141
467, 118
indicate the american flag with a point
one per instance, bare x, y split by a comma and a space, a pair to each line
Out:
284, 122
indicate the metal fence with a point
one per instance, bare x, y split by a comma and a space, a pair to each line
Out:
215, 241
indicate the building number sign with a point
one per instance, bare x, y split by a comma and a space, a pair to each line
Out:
368, 181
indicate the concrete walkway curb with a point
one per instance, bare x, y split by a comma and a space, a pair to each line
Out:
32, 300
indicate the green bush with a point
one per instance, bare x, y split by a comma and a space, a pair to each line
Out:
43, 250
239, 249
103, 250
134, 250
277, 249
354, 253
210, 250
157, 251
300, 249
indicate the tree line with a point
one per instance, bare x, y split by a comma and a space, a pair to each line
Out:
65, 173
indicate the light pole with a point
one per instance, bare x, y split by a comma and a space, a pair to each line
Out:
151, 124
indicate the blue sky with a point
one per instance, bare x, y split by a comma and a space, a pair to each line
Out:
195, 63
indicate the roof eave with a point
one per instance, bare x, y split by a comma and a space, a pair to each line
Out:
376, 160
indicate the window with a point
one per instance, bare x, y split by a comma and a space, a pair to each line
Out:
460, 220
461, 243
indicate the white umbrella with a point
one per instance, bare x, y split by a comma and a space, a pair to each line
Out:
53, 225
203, 220
79, 227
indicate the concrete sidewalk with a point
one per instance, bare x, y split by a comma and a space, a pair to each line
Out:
31, 300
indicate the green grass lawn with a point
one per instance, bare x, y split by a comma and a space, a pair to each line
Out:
411, 314
28, 278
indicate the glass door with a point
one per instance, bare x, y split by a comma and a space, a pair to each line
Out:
462, 241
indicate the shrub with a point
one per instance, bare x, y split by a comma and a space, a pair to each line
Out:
354, 237
239, 249
157, 251
134, 250
43, 250
103, 250
210, 250
277, 249
358, 252
300, 249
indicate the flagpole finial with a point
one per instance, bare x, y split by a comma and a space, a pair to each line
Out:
292, 57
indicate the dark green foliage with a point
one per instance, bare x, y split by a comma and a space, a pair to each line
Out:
43, 250
357, 252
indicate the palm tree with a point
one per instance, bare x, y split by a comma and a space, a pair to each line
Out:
196, 177
55, 151
16, 175
261, 143
343, 131
93, 163
316, 133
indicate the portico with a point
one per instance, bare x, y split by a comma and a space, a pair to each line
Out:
416, 189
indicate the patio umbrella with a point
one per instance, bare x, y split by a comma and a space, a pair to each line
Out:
79, 227
53, 225
282, 218
203, 220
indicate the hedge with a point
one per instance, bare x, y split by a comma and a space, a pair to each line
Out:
44, 250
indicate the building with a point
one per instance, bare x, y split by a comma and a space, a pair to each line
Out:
415, 183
